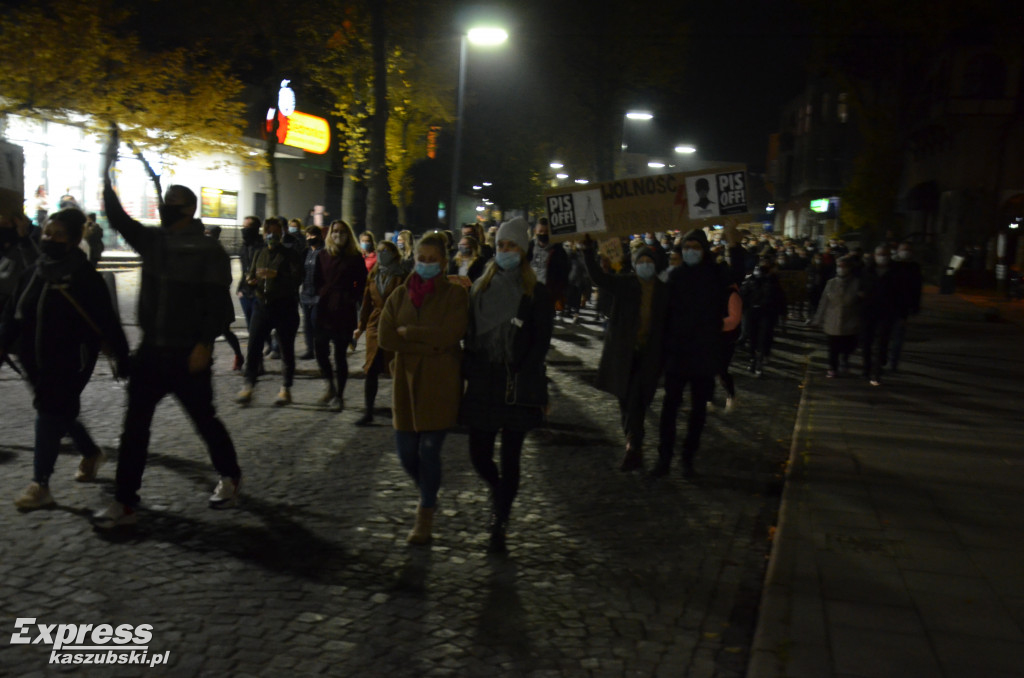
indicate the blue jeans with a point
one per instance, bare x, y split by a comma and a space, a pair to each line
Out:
420, 455
50, 428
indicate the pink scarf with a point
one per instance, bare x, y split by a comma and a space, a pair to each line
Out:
419, 289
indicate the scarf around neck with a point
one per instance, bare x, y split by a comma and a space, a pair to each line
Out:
498, 303
419, 289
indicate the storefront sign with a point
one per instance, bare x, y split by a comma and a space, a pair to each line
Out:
296, 129
664, 202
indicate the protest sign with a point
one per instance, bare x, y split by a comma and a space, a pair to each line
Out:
664, 202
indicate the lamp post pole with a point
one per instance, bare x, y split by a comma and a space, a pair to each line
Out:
452, 214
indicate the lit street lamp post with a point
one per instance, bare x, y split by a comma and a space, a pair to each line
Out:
485, 37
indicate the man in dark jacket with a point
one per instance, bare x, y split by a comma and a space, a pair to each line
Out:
882, 294
58, 319
184, 304
550, 262
909, 282
276, 275
697, 305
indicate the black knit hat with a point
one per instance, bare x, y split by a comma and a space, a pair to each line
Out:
699, 235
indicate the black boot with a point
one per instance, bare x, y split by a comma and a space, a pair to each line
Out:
366, 419
499, 526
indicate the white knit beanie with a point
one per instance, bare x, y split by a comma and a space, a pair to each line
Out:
516, 230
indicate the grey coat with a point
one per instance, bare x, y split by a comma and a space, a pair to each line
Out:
839, 310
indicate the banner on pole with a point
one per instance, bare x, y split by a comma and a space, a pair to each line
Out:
664, 202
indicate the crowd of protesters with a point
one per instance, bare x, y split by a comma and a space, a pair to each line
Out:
461, 322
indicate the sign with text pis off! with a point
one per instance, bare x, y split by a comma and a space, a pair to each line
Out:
661, 202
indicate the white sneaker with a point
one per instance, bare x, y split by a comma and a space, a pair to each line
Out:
89, 466
225, 495
730, 405
115, 515
36, 496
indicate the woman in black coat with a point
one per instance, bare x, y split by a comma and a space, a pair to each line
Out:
56, 324
631, 360
510, 323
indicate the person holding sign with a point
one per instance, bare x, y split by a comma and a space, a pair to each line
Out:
631, 360
697, 306
511, 319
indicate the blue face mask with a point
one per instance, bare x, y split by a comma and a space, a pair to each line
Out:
294, 230
692, 257
645, 270
507, 260
427, 271
271, 239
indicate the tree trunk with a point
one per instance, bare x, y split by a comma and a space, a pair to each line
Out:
377, 200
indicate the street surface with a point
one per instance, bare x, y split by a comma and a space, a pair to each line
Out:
607, 575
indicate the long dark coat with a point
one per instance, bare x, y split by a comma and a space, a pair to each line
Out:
615, 369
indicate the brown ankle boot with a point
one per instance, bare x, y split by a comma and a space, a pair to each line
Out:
420, 533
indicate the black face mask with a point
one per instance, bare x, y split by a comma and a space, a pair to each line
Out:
54, 249
315, 243
542, 239
171, 214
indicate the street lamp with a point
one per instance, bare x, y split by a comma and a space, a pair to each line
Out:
637, 116
685, 149
483, 36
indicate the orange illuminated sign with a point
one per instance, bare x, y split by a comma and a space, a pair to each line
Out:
299, 130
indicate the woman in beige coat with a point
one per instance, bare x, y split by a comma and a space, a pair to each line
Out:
422, 323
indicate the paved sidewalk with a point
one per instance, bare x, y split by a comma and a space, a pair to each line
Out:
900, 545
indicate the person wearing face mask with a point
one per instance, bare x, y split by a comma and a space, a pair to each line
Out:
880, 311
578, 288
839, 316
631, 359
387, 276
339, 278
252, 242
59, 317
184, 303
549, 262
368, 248
511, 318
697, 307
909, 283
476, 232
467, 265
276, 274
407, 256
423, 323
307, 294
764, 306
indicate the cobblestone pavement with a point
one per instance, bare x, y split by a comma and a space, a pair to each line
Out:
607, 575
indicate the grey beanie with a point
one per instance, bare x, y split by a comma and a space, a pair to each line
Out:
516, 230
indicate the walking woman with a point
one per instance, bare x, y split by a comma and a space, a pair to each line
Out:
631, 361
405, 250
468, 264
422, 323
839, 315
387, 276
339, 278
511, 320
55, 323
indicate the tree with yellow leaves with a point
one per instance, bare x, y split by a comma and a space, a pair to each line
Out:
76, 59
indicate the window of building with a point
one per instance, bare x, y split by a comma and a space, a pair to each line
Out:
219, 204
